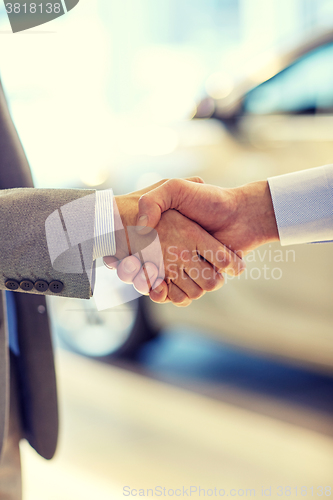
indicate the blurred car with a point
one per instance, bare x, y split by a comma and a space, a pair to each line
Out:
276, 118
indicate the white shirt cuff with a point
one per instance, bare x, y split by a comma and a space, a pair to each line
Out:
303, 205
104, 235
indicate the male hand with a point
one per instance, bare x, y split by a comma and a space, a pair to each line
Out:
187, 276
242, 218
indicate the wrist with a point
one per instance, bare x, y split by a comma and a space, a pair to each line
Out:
255, 204
125, 214
126, 210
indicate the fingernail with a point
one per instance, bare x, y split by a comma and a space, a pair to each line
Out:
142, 222
129, 267
159, 289
109, 266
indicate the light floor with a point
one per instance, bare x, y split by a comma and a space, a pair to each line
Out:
121, 429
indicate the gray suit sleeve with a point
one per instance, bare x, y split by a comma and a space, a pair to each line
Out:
48, 234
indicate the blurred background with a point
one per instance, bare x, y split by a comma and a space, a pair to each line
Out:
236, 391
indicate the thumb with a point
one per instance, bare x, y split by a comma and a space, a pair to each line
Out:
159, 200
151, 207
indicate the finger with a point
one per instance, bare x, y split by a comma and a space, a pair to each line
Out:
171, 194
205, 276
188, 286
159, 292
111, 262
222, 258
177, 296
153, 252
128, 268
146, 277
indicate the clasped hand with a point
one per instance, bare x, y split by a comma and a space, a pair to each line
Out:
178, 261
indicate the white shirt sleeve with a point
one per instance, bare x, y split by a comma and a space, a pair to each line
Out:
104, 233
303, 205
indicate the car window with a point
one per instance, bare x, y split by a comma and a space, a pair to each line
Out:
304, 87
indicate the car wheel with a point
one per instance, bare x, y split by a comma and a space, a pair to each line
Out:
117, 332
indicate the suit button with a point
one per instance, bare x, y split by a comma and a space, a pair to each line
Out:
26, 285
56, 287
41, 286
12, 284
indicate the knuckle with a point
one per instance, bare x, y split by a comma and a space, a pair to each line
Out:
197, 294
185, 303
210, 284
197, 179
174, 183
226, 261
155, 297
176, 295
177, 299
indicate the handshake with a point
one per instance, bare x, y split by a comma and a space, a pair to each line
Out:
203, 231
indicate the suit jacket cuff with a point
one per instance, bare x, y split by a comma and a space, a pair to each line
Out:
104, 236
